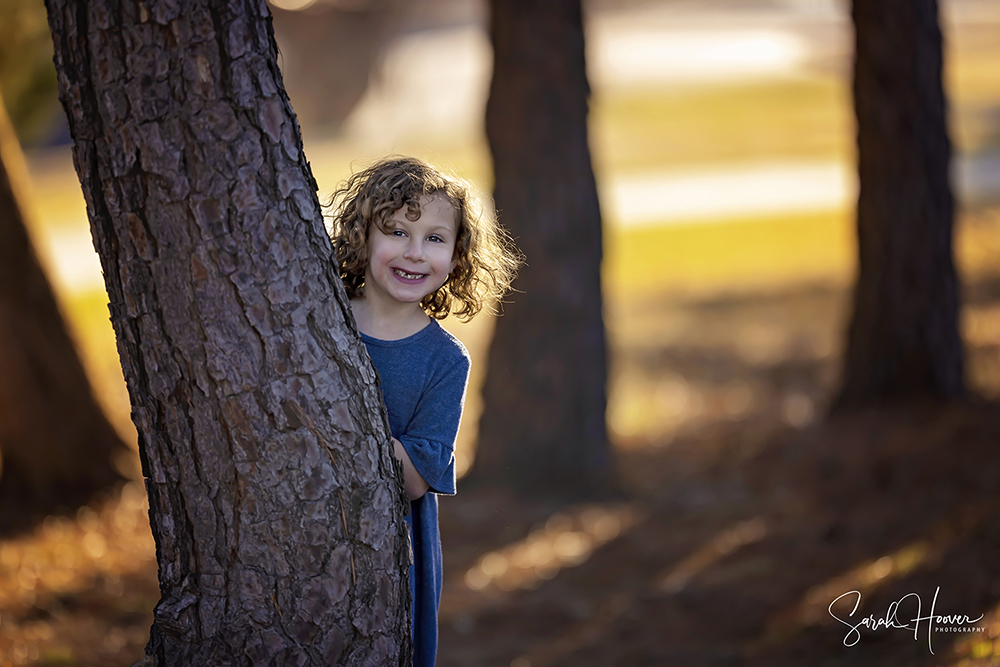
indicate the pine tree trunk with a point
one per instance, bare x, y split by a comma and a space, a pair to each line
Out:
275, 501
56, 444
903, 340
543, 427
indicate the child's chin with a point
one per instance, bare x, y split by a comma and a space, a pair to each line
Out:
406, 298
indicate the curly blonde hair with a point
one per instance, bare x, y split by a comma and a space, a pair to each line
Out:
486, 259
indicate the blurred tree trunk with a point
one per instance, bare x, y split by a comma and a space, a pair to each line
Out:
349, 43
57, 447
903, 340
275, 501
543, 425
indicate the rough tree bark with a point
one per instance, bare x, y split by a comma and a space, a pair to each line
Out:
903, 339
543, 426
56, 444
275, 501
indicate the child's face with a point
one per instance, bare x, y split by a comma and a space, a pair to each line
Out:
414, 257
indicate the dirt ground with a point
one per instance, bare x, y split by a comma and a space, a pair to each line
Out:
745, 523
734, 556
743, 514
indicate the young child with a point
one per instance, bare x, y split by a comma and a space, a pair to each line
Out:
413, 246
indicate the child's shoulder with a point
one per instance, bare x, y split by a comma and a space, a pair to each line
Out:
449, 346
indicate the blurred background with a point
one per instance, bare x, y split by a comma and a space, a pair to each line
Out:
723, 141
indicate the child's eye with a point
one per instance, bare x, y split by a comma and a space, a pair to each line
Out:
398, 232
435, 238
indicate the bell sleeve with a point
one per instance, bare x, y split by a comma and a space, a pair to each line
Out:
429, 438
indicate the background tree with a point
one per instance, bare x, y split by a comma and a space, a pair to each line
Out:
27, 78
56, 445
903, 339
347, 40
275, 503
543, 424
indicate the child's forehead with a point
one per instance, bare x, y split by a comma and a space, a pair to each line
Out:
437, 203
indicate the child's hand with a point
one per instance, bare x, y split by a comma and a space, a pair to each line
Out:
413, 483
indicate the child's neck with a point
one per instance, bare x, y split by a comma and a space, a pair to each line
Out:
388, 323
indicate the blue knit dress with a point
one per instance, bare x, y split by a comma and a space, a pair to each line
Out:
423, 379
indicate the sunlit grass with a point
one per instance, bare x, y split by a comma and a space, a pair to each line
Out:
971, 75
734, 253
972, 83
764, 251
808, 118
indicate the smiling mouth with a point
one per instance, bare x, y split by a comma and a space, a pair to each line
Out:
409, 276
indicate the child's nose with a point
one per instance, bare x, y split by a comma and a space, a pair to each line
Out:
414, 250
